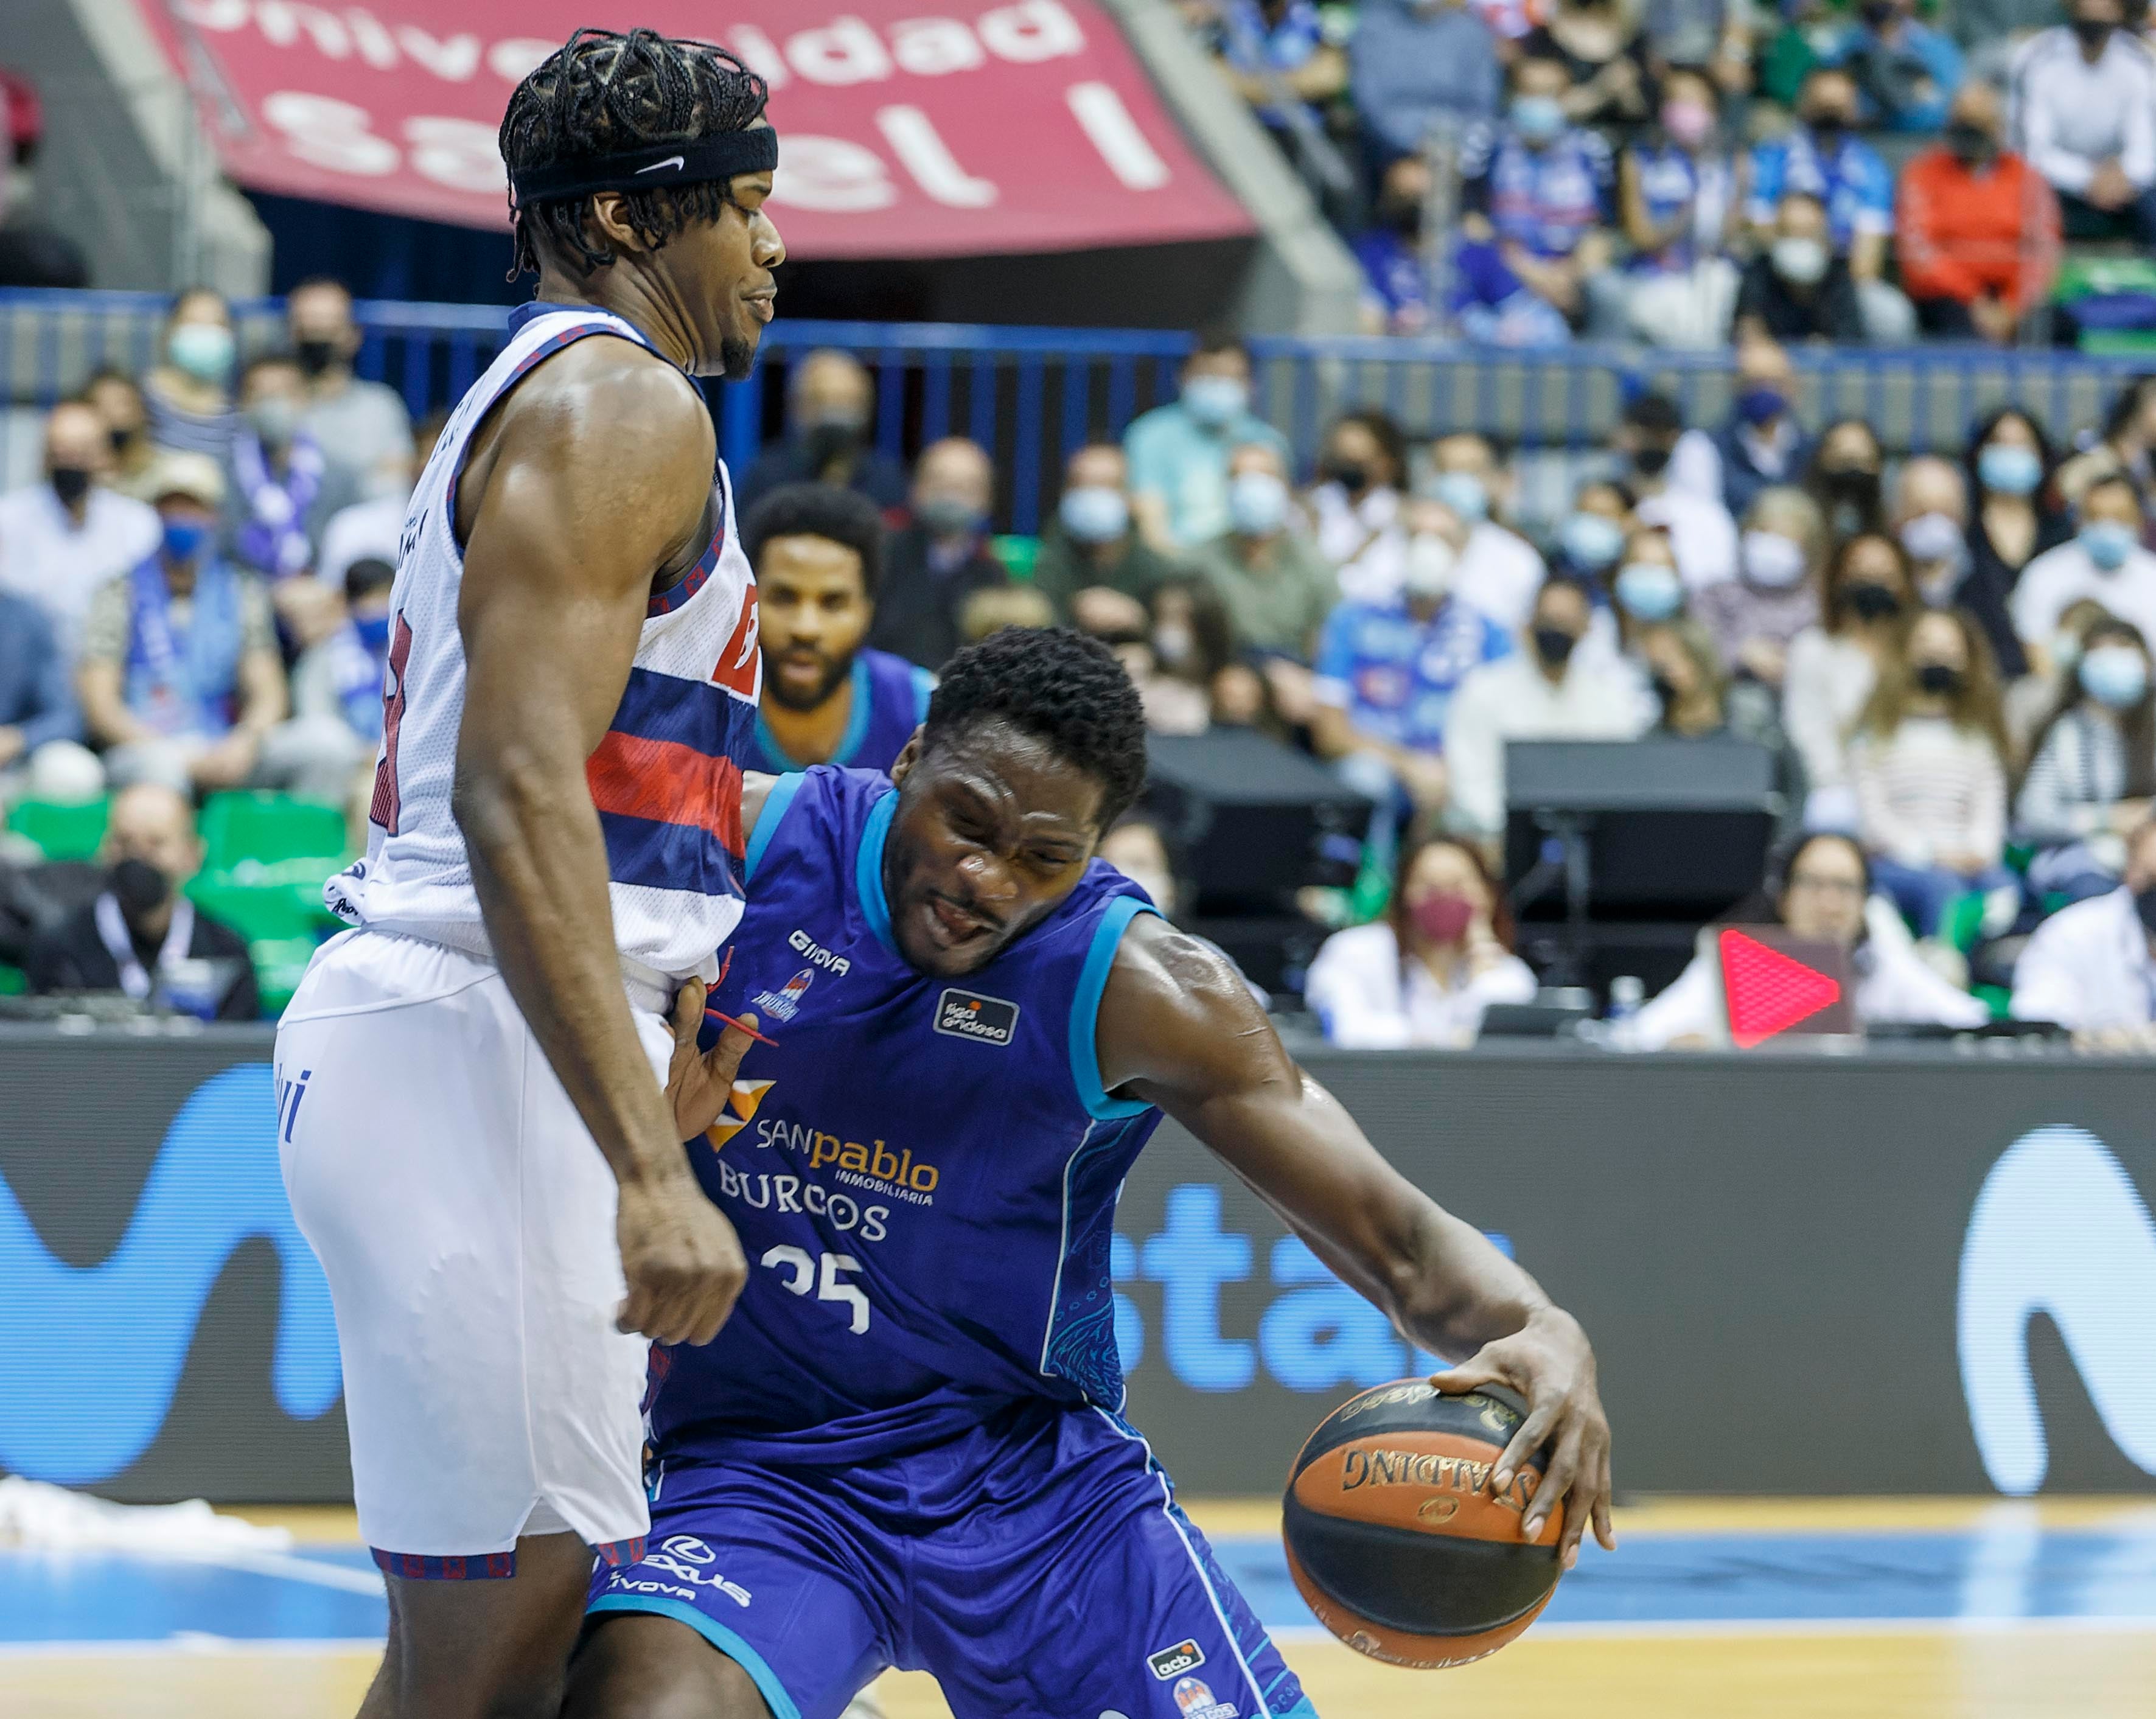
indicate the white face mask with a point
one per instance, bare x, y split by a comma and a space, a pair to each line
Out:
1428, 566
1932, 537
1257, 504
1773, 561
1800, 260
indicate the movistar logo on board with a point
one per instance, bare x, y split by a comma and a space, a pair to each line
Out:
114, 1334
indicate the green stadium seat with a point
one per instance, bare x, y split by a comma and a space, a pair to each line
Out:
261, 912
267, 829
279, 962
14, 982
1018, 555
61, 831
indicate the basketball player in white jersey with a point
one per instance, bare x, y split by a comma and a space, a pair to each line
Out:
480, 1137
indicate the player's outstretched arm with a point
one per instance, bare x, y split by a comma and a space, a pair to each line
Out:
594, 477
1178, 1028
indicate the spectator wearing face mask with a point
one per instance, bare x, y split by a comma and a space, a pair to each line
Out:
341, 677
1762, 442
1181, 656
941, 558
361, 426
180, 674
1588, 545
2007, 462
1355, 504
1823, 894
1499, 571
1549, 690
1775, 595
2124, 447
1425, 974
188, 392
141, 937
1824, 160
1798, 289
1867, 600
374, 528
2092, 769
1905, 70
1416, 64
1647, 590
1928, 763
1179, 453
1387, 672
1700, 528
829, 401
1278, 589
1135, 846
2083, 109
2091, 968
1695, 699
282, 490
1537, 192
2104, 560
1976, 228
1676, 193
1093, 566
1845, 477
117, 399
1929, 516
63, 537
1396, 285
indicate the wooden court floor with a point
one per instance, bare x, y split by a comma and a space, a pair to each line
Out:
2086, 1649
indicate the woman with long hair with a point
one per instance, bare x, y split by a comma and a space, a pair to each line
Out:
1929, 762
189, 391
1845, 479
2009, 462
1423, 974
1355, 504
1866, 601
2092, 768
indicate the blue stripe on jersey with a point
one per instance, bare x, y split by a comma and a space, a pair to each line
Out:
776, 800
696, 714
1085, 1009
868, 870
665, 602
667, 856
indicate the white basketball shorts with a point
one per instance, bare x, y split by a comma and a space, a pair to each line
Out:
465, 1219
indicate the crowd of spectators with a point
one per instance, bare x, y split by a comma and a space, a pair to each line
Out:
1679, 172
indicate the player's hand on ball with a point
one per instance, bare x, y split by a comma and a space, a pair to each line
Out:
1549, 1362
698, 1082
682, 1260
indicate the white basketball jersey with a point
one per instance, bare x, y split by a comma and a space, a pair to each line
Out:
667, 777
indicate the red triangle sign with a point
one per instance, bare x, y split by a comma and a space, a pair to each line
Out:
1767, 991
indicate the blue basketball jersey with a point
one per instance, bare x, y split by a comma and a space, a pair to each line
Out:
891, 701
923, 1171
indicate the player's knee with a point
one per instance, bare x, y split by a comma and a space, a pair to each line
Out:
633, 1666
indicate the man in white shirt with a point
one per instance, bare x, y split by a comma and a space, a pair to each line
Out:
361, 426
1549, 690
2091, 968
62, 538
2084, 114
1499, 571
1701, 531
2104, 561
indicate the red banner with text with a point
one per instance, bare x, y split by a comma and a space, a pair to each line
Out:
1027, 126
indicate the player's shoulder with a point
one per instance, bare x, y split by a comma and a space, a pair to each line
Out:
606, 395
1160, 967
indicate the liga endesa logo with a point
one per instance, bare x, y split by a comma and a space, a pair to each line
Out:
115, 1334
2059, 1229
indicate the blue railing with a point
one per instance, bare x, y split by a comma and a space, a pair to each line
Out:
1034, 395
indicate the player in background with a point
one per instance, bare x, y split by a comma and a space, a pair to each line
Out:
828, 697
480, 1145
905, 1447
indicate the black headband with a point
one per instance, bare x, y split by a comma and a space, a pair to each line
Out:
691, 162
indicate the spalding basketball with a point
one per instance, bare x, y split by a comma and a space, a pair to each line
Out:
1395, 1537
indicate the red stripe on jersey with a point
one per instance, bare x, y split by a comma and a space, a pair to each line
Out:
738, 663
664, 781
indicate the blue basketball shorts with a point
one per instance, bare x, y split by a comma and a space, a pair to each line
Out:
1035, 1564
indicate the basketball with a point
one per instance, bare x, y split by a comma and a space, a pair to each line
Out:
1395, 1538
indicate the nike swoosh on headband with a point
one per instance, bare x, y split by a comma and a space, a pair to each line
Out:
671, 161
685, 160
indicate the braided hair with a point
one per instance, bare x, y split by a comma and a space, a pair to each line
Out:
605, 93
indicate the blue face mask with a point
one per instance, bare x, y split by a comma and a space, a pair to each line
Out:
1257, 504
1591, 542
2115, 675
374, 632
1537, 118
185, 538
1647, 591
2010, 470
1761, 406
1094, 515
1215, 400
1463, 492
2108, 543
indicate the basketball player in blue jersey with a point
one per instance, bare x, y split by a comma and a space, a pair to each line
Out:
905, 1448
477, 1128
828, 697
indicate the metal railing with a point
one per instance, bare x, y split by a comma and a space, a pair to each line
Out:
1034, 395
